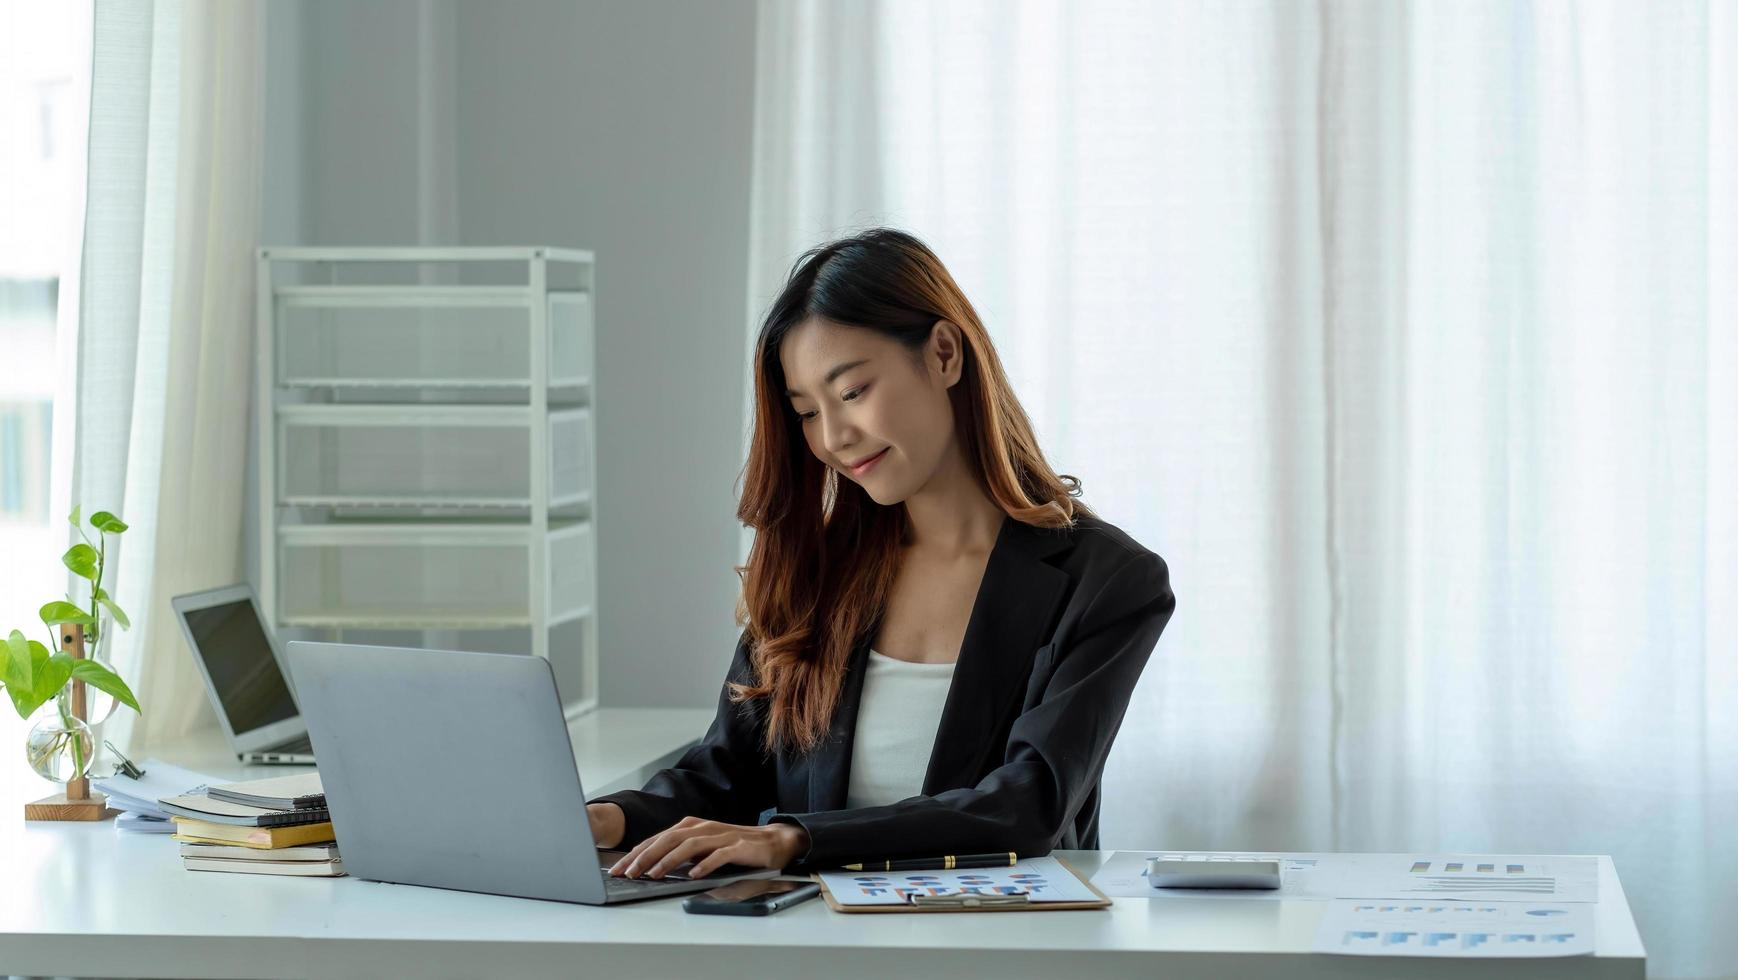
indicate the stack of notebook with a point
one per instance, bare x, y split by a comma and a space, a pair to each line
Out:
263, 826
313, 860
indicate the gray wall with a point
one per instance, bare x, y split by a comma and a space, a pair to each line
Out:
625, 128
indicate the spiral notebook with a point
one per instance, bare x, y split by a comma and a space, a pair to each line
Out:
301, 791
240, 814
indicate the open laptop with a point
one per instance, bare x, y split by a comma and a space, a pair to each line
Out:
244, 675
455, 770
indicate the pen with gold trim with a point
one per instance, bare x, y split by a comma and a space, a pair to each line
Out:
947, 862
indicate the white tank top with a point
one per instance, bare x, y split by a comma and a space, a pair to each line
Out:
897, 719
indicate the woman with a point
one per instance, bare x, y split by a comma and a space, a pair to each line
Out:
940, 642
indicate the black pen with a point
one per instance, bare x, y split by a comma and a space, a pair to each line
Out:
947, 862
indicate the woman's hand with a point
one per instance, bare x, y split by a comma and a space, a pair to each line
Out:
608, 824
710, 844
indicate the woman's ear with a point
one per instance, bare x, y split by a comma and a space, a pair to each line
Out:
945, 351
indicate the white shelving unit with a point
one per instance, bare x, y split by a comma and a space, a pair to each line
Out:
420, 469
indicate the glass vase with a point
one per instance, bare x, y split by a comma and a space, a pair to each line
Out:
59, 746
98, 704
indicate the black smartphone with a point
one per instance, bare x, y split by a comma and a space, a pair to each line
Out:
761, 896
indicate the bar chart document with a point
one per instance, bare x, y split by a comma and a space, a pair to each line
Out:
1459, 929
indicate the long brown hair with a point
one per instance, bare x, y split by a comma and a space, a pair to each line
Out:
825, 554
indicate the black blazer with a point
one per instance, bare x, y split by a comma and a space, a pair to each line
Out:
1063, 623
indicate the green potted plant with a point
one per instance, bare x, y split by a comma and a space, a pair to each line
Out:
60, 746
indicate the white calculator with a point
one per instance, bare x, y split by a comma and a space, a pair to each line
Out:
1223, 872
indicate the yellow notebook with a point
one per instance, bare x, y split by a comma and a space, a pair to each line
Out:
205, 832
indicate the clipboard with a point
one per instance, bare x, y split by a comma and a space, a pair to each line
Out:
1102, 902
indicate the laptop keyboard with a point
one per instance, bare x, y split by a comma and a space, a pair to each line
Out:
627, 886
668, 876
300, 746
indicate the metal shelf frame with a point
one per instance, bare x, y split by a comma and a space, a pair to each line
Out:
538, 521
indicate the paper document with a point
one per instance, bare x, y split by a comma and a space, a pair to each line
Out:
1469, 929
139, 823
1467, 877
1042, 879
1324, 875
141, 795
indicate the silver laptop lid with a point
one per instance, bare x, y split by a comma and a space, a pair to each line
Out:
448, 769
242, 668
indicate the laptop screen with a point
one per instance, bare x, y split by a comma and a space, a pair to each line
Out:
239, 659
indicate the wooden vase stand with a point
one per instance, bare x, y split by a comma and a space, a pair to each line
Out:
77, 802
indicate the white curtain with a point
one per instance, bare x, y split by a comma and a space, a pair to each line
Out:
1407, 334
165, 324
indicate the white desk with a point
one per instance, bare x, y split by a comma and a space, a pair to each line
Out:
84, 900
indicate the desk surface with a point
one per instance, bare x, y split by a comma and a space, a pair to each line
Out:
85, 900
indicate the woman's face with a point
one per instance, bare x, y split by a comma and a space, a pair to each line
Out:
862, 397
